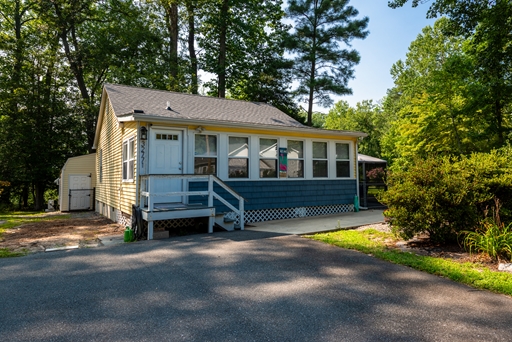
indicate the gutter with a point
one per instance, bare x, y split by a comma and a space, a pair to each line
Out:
160, 119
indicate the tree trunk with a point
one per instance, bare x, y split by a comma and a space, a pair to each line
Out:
191, 48
39, 196
171, 16
222, 49
24, 196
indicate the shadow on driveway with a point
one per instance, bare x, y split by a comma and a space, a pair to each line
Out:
238, 286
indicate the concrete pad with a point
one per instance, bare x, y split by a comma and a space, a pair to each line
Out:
317, 224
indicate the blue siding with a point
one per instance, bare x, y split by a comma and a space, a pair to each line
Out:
282, 194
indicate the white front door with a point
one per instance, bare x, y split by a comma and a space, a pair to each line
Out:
165, 158
80, 189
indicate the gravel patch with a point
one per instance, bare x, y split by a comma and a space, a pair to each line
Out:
381, 227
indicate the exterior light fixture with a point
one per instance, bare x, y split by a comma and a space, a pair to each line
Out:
200, 129
143, 133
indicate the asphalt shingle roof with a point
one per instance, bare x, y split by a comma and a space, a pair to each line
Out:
126, 99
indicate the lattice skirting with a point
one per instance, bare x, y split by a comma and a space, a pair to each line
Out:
287, 213
124, 219
251, 216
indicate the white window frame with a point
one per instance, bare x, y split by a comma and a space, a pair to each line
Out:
336, 160
276, 158
248, 157
303, 158
313, 159
216, 156
129, 145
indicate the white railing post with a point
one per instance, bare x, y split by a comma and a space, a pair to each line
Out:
210, 191
150, 197
241, 209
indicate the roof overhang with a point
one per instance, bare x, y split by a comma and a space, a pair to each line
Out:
104, 98
159, 119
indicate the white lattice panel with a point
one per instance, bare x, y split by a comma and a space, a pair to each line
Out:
287, 213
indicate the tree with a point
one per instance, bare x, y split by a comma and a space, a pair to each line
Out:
232, 33
37, 130
104, 41
488, 27
434, 99
367, 117
322, 65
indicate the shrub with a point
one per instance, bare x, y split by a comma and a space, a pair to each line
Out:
492, 239
444, 196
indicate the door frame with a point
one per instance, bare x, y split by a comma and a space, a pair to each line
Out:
184, 145
90, 189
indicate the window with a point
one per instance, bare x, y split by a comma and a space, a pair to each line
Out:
166, 137
205, 154
268, 158
320, 164
295, 159
128, 159
238, 157
101, 165
342, 160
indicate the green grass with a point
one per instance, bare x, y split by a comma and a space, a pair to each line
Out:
15, 219
6, 253
372, 242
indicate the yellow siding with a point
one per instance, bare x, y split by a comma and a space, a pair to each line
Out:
109, 147
80, 165
128, 189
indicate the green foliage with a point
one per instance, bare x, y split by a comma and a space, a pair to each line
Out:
322, 65
367, 117
433, 101
372, 242
492, 239
6, 253
443, 196
486, 25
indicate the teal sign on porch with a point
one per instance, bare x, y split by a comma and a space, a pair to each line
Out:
283, 162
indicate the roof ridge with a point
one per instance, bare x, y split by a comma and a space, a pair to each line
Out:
187, 94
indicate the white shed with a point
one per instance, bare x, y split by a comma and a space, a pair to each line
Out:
77, 183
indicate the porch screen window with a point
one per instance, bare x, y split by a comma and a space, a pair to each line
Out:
295, 159
238, 157
205, 154
320, 163
128, 159
268, 158
342, 160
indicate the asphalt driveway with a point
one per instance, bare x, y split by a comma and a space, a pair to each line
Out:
237, 286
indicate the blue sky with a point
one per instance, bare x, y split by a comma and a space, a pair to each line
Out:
391, 33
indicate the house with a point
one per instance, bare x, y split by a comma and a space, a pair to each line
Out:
77, 182
178, 156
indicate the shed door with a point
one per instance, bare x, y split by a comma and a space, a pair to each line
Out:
165, 158
80, 191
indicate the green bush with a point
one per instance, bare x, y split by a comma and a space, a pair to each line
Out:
444, 196
493, 239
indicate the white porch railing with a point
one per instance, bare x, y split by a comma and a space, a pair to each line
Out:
146, 193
